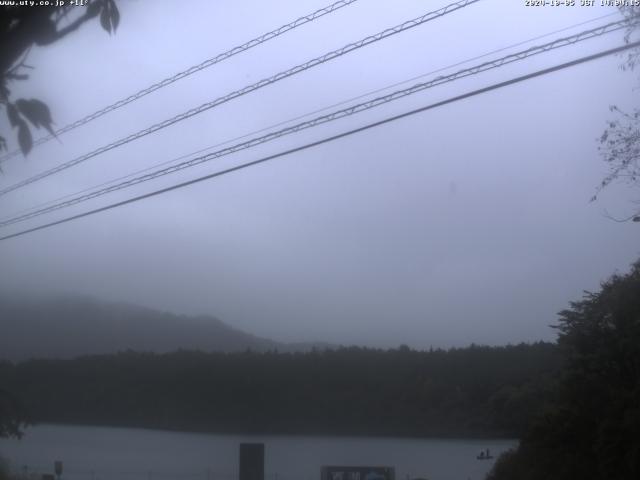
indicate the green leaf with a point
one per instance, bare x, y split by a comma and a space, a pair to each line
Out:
115, 15
24, 137
109, 16
36, 112
105, 20
14, 116
93, 8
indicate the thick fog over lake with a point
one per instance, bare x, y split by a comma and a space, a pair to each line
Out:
466, 223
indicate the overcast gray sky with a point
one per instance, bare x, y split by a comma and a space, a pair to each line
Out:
468, 223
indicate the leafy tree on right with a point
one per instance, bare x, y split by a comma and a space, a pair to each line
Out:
592, 431
619, 144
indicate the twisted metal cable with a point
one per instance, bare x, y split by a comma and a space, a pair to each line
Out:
190, 71
325, 140
308, 114
243, 91
360, 107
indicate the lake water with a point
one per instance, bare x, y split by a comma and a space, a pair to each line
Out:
103, 453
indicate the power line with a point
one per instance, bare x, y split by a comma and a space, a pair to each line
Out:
376, 102
191, 70
262, 83
307, 146
308, 114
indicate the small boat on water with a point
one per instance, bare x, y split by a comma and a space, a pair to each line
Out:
484, 455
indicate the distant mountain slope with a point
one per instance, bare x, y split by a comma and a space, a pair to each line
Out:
73, 326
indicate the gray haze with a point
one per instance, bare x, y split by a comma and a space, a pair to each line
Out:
469, 223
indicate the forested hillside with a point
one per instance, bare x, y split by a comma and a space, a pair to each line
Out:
66, 327
480, 391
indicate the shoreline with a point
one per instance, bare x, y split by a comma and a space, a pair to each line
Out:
237, 433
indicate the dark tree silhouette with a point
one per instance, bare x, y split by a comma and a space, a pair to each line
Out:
21, 28
592, 432
12, 416
474, 391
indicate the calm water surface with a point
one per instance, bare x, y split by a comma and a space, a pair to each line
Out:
103, 453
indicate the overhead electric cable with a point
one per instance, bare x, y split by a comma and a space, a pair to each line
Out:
243, 91
308, 114
307, 146
191, 70
474, 70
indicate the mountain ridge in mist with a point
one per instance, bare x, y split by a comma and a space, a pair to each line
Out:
71, 326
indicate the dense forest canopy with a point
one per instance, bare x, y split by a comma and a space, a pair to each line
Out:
592, 428
480, 391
